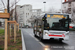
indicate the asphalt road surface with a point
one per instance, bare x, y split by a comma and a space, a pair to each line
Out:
33, 43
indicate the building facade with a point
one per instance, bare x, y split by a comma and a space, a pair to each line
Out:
2, 22
23, 13
20, 15
69, 7
36, 12
66, 7
73, 11
27, 13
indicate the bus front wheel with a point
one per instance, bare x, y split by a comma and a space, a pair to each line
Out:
60, 40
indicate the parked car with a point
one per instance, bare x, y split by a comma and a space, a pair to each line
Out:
27, 26
72, 26
23, 27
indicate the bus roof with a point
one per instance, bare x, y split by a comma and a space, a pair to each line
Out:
57, 13
42, 15
54, 14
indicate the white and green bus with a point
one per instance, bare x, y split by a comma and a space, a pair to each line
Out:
52, 26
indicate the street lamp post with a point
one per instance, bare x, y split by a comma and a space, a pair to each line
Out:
44, 5
61, 6
15, 10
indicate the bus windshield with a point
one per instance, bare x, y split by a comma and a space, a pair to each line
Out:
56, 22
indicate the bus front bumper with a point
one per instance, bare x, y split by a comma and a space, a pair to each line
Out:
55, 37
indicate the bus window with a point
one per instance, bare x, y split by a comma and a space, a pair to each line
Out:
56, 22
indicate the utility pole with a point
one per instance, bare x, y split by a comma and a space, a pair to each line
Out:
61, 6
15, 11
44, 5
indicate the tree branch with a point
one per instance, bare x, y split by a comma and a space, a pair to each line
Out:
14, 4
3, 3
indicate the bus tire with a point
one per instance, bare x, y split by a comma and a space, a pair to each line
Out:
35, 35
60, 40
41, 39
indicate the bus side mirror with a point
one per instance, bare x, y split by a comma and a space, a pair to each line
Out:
44, 18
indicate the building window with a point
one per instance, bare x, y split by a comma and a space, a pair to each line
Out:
69, 5
64, 7
26, 23
21, 6
27, 5
69, 9
28, 13
69, 2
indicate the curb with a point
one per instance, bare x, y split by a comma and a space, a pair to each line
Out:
23, 42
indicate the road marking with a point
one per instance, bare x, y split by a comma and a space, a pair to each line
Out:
42, 44
23, 42
38, 40
32, 35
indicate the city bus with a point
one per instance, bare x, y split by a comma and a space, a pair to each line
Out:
52, 26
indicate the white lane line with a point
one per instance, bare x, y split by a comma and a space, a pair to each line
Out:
38, 40
23, 42
35, 38
42, 44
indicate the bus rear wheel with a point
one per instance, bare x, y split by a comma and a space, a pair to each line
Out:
41, 39
35, 35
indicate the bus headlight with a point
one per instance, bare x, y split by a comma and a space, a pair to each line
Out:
67, 33
46, 33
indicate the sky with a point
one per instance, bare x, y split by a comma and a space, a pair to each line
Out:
38, 4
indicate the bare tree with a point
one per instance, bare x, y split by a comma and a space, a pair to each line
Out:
13, 3
12, 9
52, 10
3, 3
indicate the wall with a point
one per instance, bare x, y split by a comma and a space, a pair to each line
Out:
36, 12
27, 13
65, 7
73, 11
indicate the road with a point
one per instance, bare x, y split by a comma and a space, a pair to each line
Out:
33, 43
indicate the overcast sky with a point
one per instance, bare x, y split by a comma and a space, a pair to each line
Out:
38, 4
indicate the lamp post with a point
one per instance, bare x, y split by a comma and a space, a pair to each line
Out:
15, 9
44, 5
61, 6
